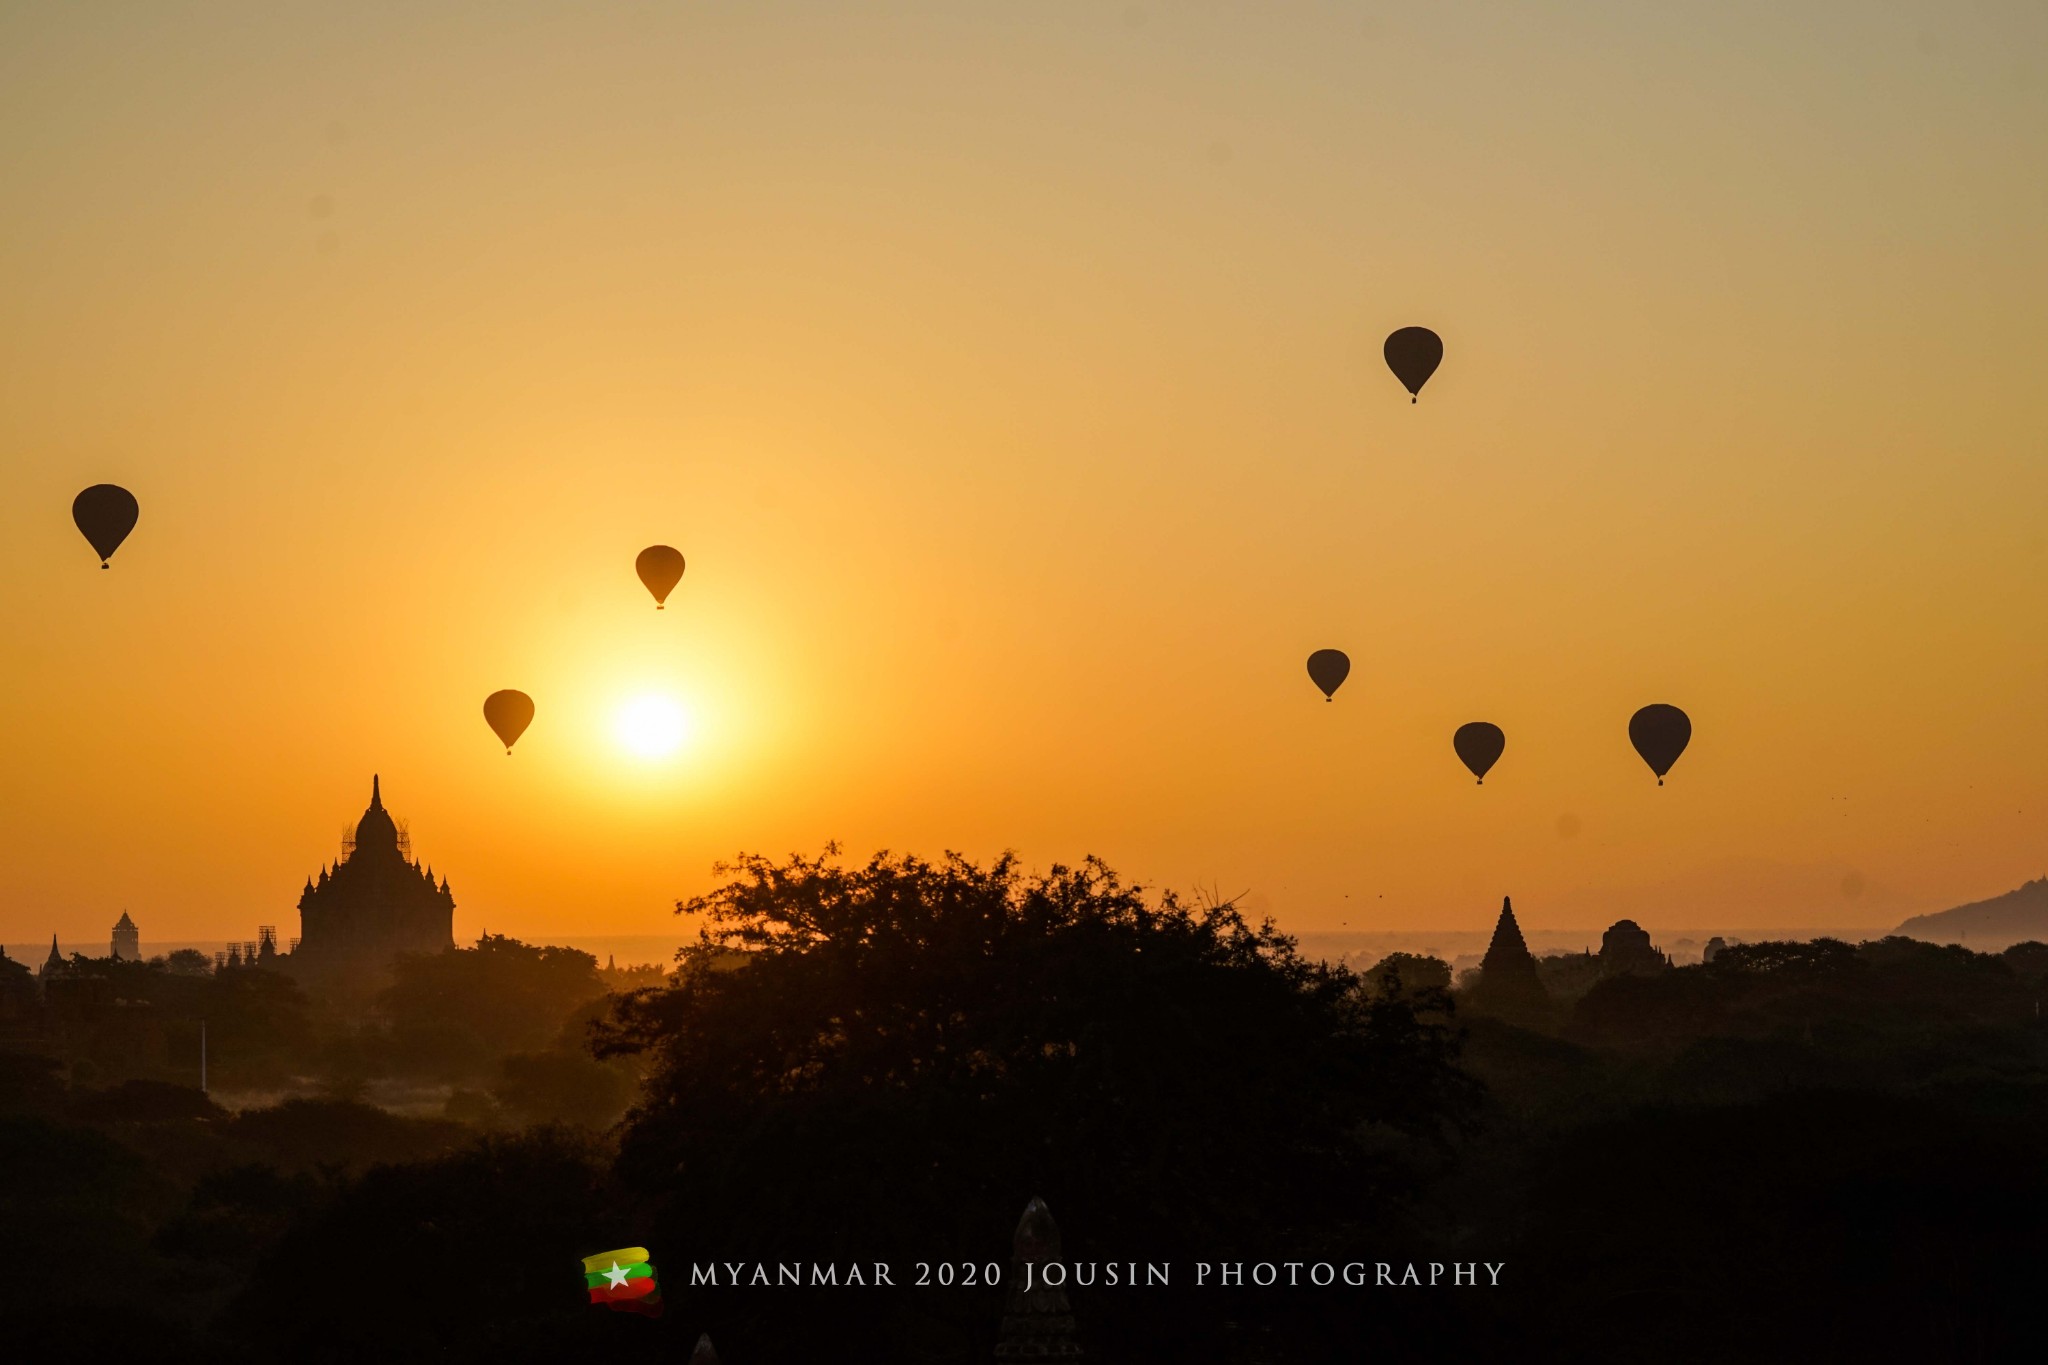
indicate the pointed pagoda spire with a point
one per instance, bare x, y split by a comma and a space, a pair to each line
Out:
1507, 936
56, 959
376, 795
1508, 980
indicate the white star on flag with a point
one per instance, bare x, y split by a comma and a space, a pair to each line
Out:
615, 1275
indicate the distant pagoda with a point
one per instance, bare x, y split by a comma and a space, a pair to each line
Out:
1626, 948
376, 903
127, 945
1508, 983
1038, 1323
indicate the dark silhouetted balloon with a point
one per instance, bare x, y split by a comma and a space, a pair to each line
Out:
1413, 353
106, 514
1660, 734
509, 713
660, 568
1329, 668
1479, 744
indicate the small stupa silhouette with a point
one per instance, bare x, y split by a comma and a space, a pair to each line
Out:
1038, 1323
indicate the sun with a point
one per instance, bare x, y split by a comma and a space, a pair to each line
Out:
651, 726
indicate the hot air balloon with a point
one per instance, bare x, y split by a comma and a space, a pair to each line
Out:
509, 713
1479, 744
1660, 734
106, 514
1413, 353
1328, 668
660, 568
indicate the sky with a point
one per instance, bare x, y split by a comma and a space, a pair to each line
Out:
1009, 376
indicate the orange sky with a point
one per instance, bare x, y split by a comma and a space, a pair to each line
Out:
1010, 377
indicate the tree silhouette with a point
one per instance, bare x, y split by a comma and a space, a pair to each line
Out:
456, 1013
872, 1062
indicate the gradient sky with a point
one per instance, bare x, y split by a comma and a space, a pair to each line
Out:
1009, 374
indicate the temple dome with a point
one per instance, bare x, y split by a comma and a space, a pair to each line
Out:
376, 829
374, 904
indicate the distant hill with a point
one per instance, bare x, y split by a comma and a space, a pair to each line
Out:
1988, 926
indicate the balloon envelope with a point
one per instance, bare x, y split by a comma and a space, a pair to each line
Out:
1660, 734
509, 713
660, 567
1413, 353
1479, 744
1328, 668
105, 513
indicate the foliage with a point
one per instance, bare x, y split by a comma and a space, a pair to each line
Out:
1410, 974
306, 1134
141, 1020
456, 1012
2028, 961
1568, 976
139, 1101
564, 1087
30, 1083
913, 1049
70, 1196
470, 1256
1814, 1225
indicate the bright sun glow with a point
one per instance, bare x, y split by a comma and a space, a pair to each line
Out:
652, 726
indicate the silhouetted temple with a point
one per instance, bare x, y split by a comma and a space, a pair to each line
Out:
1508, 983
1626, 947
375, 903
1038, 1322
127, 943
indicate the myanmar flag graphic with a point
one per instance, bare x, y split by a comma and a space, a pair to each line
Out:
623, 1281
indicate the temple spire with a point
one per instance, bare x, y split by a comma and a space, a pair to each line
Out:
1507, 935
1508, 982
376, 796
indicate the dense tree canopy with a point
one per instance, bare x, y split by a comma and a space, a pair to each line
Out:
456, 1012
887, 1060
